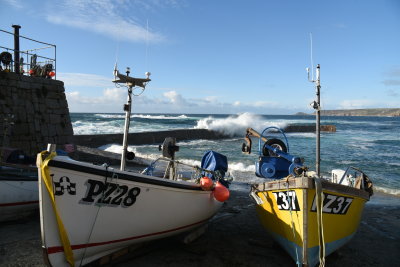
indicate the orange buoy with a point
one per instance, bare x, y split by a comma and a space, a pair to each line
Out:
206, 183
221, 193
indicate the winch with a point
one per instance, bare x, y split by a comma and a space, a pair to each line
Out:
274, 160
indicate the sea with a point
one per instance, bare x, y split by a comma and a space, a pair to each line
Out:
371, 144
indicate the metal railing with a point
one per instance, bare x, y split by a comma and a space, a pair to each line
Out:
35, 61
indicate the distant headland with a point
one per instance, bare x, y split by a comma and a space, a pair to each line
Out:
379, 112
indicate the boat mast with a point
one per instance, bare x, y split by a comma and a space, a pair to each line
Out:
128, 111
130, 83
317, 106
318, 122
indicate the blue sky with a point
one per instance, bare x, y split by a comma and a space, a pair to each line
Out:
218, 56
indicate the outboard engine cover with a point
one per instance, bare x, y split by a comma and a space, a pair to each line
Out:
215, 161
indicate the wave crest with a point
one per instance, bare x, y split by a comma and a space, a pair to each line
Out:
237, 125
142, 116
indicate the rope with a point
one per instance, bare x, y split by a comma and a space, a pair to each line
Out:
98, 210
319, 199
292, 222
45, 176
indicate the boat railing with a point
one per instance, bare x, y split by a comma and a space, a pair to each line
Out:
18, 166
188, 172
39, 59
356, 179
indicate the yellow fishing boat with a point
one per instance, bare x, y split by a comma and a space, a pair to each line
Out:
293, 213
310, 216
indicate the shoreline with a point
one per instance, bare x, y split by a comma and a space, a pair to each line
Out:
234, 237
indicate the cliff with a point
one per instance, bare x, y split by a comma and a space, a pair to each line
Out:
379, 112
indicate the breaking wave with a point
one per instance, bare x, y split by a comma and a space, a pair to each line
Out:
390, 191
110, 116
237, 125
142, 116
159, 117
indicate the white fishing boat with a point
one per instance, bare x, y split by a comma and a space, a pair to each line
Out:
18, 191
88, 211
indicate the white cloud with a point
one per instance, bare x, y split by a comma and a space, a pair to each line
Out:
176, 99
390, 82
84, 79
112, 99
236, 103
356, 104
394, 74
392, 92
101, 16
14, 3
394, 71
110, 96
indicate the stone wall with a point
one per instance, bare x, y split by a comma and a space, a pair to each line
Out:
141, 138
33, 112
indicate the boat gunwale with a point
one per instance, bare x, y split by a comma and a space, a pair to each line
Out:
18, 179
308, 183
123, 175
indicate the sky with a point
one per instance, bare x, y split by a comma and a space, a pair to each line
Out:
217, 56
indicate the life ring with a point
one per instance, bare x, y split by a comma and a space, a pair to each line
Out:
5, 58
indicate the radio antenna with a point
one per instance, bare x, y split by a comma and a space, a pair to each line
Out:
316, 104
116, 62
147, 43
311, 57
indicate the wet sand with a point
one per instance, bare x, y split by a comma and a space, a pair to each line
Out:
233, 238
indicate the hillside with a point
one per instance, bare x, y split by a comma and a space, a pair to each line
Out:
385, 112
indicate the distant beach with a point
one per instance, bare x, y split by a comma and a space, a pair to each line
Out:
234, 237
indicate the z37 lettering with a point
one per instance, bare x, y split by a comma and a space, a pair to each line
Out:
334, 204
110, 193
348, 202
327, 205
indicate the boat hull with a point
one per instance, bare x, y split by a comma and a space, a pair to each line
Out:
287, 210
104, 210
18, 194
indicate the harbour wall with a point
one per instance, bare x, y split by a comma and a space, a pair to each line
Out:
179, 134
146, 137
33, 112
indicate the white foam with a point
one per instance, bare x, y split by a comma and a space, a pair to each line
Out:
142, 116
197, 142
95, 128
159, 117
237, 125
304, 135
110, 116
239, 166
390, 191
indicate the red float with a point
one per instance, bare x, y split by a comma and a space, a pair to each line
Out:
206, 183
221, 193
